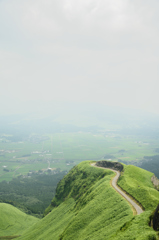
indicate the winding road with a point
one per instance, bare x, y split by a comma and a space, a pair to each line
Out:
132, 202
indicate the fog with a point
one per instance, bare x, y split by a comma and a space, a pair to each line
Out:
83, 52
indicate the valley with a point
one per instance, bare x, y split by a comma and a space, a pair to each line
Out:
45, 173
64, 150
31, 168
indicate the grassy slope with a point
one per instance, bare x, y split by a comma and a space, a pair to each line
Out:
13, 221
137, 182
53, 224
92, 209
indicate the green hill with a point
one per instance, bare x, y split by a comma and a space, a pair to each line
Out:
13, 221
137, 182
87, 207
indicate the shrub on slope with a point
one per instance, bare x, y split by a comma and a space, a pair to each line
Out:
137, 182
92, 209
13, 221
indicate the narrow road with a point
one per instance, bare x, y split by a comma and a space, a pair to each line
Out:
132, 202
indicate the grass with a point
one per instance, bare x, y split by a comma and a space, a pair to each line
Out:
137, 182
13, 221
87, 207
137, 228
53, 224
9, 237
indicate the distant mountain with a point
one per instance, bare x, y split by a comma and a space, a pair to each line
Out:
74, 117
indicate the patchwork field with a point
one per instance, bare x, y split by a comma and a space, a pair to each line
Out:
64, 150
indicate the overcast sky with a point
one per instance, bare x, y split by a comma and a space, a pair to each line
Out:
103, 51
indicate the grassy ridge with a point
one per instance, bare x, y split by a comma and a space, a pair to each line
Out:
13, 221
77, 182
87, 207
137, 182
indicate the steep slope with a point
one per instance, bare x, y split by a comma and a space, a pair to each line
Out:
137, 209
137, 182
13, 221
87, 207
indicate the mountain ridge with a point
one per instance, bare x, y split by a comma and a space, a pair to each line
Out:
136, 208
87, 207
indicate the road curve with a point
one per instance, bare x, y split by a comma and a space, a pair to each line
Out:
132, 202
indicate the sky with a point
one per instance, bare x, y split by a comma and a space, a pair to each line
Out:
89, 51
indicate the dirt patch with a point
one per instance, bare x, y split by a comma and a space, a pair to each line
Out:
155, 182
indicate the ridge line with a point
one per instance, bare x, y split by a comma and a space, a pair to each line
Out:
134, 205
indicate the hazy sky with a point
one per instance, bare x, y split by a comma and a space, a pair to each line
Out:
103, 51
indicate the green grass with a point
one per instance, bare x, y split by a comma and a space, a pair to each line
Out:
137, 228
53, 224
8, 237
13, 221
137, 182
87, 207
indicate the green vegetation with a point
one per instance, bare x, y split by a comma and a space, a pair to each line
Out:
137, 182
77, 182
137, 228
87, 207
53, 224
151, 163
32, 193
13, 221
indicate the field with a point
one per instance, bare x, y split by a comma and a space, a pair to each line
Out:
64, 150
92, 209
